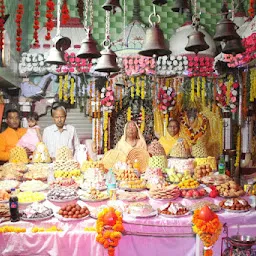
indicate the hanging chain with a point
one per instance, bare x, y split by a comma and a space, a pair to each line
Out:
124, 42
107, 32
58, 18
86, 4
232, 10
91, 14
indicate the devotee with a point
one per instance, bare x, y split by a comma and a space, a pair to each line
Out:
60, 134
10, 137
132, 138
172, 136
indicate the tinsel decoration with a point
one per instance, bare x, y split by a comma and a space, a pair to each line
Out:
19, 15
36, 24
64, 13
2, 21
49, 16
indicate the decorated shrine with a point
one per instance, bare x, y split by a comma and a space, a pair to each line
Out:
127, 127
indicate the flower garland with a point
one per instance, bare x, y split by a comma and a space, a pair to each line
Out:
251, 10
129, 114
49, 16
143, 115
208, 226
65, 88
105, 130
166, 99
60, 88
253, 85
72, 91
64, 13
19, 15
2, 21
192, 93
109, 228
36, 24
107, 99
203, 93
198, 85
194, 135
227, 93
238, 148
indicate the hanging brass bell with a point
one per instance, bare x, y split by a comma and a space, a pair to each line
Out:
88, 48
233, 47
107, 61
62, 43
55, 57
154, 43
180, 6
112, 5
196, 42
225, 30
159, 2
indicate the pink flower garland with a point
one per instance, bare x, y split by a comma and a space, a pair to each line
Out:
166, 99
107, 99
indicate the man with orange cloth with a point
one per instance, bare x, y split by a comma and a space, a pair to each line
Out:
10, 137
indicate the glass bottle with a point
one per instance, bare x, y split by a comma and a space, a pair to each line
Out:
14, 206
222, 165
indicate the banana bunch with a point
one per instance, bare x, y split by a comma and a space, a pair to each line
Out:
67, 174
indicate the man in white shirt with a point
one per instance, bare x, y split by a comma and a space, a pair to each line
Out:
60, 134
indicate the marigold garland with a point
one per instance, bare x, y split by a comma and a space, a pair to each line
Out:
36, 24
72, 91
64, 13
19, 15
192, 94
60, 88
251, 10
238, 148
49, 16
129, 114
65, 89
203, 94
253, 85
208, 231
107, 235
2, 21
105, 131
143, 115
198, 85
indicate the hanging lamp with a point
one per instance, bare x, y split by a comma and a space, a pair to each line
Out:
112, 5
56, 53
88, 48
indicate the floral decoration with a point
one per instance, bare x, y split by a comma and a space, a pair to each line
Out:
227, 93
107, 99
36, 24
207, 226
49, 16
109, 228
2, 21
105, 130
252, 85
251, 10
200, 66
166, 99
64, 13
72, 91
238, 148
19, 15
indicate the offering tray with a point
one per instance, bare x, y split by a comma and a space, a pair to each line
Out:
84, 199
63, 200
174, 216
235, 211
61, 218
28, 203
152, 214
37, 219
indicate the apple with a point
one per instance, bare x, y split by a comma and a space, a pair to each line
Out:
184, 193
195, 194
214, 193
202, 192
190, 193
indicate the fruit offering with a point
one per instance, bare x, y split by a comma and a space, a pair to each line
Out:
18, 155
193, 193
66, 182
30, 197
50, 229
168, 192
230, 189
94, 194
74, 211
202, 170
175, 209
62, 194
7, 229
174, 177
36, 211
4, 195
235, 204
188, 184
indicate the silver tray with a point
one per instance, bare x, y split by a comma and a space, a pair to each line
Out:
236, 211
63, 200
37, 219
61, 218
92, 200
174, 216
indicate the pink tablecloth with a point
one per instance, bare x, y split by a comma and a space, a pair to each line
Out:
165, 236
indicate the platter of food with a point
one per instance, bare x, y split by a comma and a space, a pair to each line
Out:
86, 199
132, 196
28, 203
173, 215
149, 215
64, 200
132, 189
173, 210
61, 218
37, 219
140, 210
236, 211
235, 205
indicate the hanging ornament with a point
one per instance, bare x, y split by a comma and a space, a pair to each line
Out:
49, 16
64, 13
36, 24
2, 21
19, 15
80, 9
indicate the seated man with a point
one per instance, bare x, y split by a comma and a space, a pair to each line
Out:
172, 137
10, 137
60, 134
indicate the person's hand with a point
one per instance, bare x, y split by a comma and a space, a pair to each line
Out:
29, 152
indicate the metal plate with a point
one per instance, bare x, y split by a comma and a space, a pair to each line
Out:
37, 219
